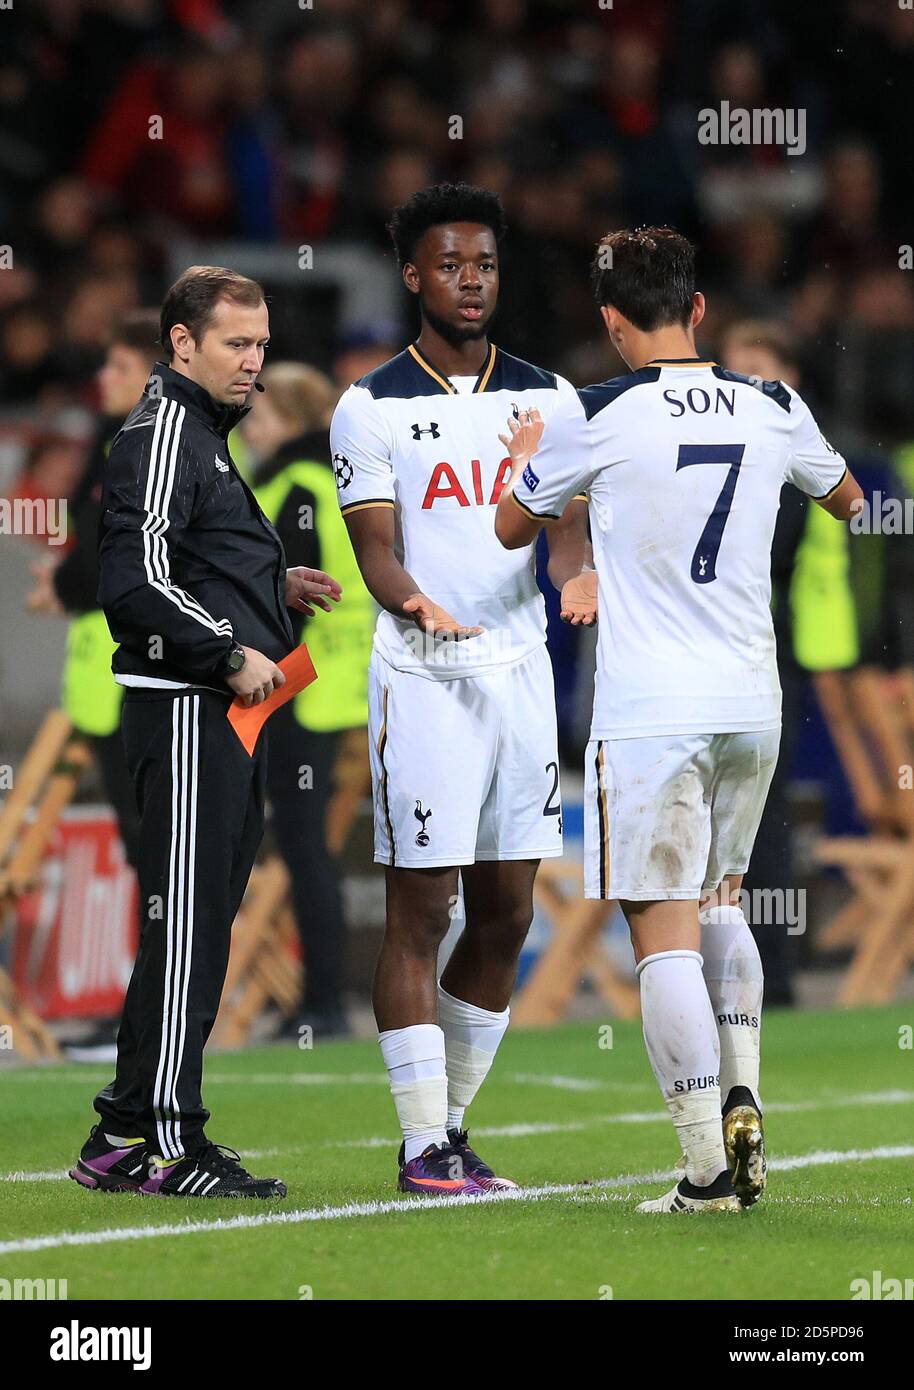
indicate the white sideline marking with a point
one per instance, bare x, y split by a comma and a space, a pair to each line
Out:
561, 1083
533, 1128
329, 1078
641, 1117
21, 1176
119, 1234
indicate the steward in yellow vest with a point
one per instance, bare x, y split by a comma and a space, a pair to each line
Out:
297, 491
295, 486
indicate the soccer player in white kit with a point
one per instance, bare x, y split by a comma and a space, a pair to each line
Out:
461, 701
683, 463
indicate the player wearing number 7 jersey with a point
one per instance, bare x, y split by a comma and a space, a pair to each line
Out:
683, 463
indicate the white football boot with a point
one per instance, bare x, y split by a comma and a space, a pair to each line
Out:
685, 1196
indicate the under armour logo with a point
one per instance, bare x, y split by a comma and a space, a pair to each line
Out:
421, 816
221, 465
432, 430
342, 471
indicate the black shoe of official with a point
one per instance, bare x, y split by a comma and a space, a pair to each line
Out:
123, 1165
480, 1172
109, 1163
213, 1171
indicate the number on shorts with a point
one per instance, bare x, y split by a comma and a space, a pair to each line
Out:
549, 809
704, 560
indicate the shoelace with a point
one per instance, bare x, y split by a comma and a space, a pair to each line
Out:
220, 1159
461, 1142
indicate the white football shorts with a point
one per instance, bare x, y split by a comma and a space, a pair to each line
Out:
671, 815
464, 769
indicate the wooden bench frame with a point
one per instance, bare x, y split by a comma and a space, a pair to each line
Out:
44, 786
870, 716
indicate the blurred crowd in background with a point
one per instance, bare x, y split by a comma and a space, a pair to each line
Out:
139, 136
292, 125
131, 127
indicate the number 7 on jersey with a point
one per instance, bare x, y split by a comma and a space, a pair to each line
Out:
704, 560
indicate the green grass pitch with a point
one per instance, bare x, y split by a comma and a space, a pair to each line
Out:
561, 1110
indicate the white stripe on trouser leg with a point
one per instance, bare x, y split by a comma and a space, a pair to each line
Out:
193, 759
178, 936
162, 1129
178, 925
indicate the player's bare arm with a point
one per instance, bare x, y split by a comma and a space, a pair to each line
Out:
570, 554
570, 567
372, 532
514, 527
846, 499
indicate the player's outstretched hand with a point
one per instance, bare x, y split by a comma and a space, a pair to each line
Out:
305, 587
579, 600
436, 621
526, 433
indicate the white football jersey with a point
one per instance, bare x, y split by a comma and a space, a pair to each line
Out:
683, 463
406, 437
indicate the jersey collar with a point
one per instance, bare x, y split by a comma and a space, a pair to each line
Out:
482, 380
679, 362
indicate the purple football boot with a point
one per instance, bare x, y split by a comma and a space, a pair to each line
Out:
437, 1172
475, 1168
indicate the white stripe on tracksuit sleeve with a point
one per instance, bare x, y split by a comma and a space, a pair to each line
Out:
151, 500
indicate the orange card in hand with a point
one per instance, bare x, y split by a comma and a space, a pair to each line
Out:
298, 669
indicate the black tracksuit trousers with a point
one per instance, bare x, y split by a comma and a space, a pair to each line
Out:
201, 803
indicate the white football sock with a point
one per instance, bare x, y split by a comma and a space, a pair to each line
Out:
681, 1038
414, 1058
733, 973
471, 1037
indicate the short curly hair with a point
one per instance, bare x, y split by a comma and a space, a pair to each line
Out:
443, 202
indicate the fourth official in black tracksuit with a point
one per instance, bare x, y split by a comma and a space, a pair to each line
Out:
189, 568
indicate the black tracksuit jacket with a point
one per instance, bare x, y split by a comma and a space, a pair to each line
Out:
188, 563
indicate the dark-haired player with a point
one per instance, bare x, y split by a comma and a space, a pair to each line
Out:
462, 710
683, 464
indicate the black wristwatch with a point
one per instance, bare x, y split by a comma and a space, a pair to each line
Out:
233, 662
